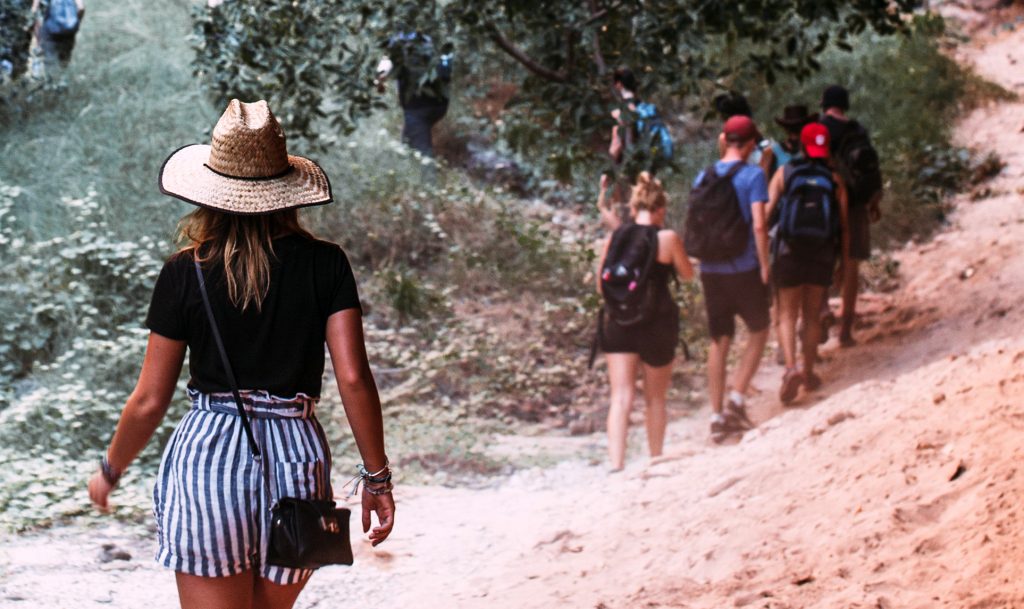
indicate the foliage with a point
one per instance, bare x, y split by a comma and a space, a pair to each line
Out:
15, 36
315, 59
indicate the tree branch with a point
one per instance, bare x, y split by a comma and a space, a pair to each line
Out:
595, 14
528, 62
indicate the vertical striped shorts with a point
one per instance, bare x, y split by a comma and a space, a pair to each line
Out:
212, 500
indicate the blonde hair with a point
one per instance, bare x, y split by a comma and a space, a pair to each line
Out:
648, 194
243, 245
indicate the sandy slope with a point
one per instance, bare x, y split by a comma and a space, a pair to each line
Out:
848, 501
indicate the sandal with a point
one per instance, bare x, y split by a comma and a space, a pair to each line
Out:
791, 382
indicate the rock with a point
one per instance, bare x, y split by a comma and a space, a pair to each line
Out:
938, 398
111, 552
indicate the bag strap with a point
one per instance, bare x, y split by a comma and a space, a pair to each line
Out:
224, 360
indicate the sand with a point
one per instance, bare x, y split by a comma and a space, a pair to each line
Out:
897, 485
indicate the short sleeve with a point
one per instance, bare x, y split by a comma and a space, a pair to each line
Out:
758, 187
341, 292
166, 315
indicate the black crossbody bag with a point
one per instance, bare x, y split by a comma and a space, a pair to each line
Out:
304, 533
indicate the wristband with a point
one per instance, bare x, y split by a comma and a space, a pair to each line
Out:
109, 473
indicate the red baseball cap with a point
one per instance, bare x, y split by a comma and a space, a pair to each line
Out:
740, 128
815, 139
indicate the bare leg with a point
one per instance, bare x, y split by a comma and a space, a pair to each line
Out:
717, 354
752, 354
232, 592
851, 283
789, 309
269, 595
622, 378
812, 296
656, 384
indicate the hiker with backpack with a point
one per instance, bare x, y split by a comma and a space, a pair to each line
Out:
857, 162
810, 201
424, 76
56, 27
638, 327
726, 229
640, 138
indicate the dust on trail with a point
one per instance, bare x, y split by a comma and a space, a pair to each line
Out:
896, 485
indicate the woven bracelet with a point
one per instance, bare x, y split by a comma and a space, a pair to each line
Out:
111, 475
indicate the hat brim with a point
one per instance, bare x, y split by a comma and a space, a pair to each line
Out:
816, 152
184, 175
798, 123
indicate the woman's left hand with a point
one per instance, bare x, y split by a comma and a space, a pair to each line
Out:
384, 506
99, 490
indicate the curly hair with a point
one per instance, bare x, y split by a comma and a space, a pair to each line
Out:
648, 194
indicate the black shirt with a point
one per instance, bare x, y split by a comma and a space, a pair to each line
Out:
837, 130
279, 349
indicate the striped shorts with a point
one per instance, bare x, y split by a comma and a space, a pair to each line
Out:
212, 499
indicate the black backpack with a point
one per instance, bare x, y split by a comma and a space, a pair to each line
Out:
629, 295
808, 210
857, 161
715, 229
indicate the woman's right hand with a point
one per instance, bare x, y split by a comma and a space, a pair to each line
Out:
384, 506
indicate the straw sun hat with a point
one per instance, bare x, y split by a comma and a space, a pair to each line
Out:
246, 169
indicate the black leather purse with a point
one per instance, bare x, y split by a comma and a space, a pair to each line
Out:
304, 533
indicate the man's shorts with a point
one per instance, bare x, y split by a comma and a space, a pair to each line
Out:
727, 295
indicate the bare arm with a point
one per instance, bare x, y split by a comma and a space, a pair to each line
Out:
760, 226
680, 261
145, 408
774, 192
600, 262
844, 219
615, 147
767, 160
362, 407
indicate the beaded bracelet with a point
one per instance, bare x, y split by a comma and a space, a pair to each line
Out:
109, 473
384, 490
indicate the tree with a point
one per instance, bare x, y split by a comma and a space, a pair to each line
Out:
315, 59
15, 37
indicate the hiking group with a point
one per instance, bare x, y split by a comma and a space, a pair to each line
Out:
773, 225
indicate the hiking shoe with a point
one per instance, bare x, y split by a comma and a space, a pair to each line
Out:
791, 382
812, 381
727, 426
739, 413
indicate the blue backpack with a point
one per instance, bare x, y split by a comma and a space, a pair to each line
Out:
808, 209
652, 132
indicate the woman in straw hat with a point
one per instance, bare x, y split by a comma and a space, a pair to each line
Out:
276, 294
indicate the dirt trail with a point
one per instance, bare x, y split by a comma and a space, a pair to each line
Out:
897, 485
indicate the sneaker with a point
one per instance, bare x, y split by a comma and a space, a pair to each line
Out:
738, 412
791, 382
725, 427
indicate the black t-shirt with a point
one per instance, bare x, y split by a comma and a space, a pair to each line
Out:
279, 349
837, 130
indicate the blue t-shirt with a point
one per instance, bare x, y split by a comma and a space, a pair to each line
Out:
751, 188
